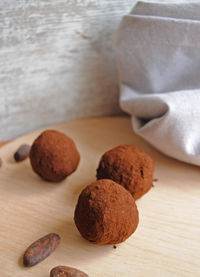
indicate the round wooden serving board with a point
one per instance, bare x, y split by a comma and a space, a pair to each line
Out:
166, 242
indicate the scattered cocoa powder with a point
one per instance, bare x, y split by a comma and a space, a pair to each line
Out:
41, 249
106, 213
114, 246
66, 271
22, 152
54, 156
155, 180
128, 166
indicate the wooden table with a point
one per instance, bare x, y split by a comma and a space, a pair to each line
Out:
166, 242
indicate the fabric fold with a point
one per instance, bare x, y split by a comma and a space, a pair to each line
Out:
157, 51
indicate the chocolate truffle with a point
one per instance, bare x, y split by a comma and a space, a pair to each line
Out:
106, 213
54, 156
128, 166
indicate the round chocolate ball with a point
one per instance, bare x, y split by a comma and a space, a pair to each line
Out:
54, 156
106, 213
128, 166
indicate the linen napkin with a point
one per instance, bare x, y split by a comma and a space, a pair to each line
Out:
158, 55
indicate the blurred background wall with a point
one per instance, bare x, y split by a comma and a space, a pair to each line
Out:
56, 61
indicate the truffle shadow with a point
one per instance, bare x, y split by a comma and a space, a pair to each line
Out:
76, 248
25, 182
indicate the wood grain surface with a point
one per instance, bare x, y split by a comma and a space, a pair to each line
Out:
166, 242
57, 61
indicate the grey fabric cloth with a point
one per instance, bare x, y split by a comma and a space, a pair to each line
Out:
158, 55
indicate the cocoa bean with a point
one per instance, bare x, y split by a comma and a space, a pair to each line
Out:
41, 249
22, 152
66, 271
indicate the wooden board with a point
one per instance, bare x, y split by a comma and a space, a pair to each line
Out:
166, 243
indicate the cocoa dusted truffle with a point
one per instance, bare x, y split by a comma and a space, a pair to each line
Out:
54, 156
106, 213
128, 166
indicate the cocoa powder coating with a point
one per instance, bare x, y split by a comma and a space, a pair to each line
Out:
106, 213
54, 156
128, 166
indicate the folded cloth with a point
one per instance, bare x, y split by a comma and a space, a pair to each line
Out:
158, 55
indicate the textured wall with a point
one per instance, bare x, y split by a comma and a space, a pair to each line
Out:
56, 61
